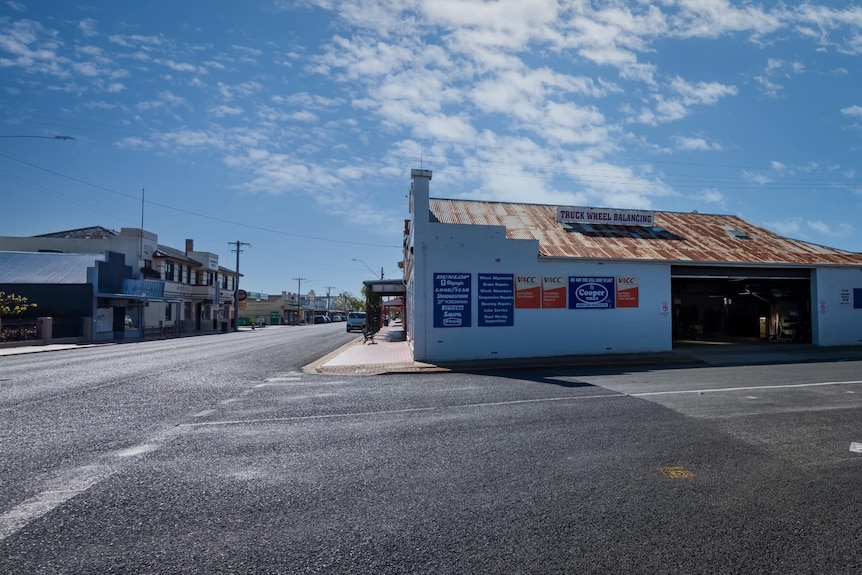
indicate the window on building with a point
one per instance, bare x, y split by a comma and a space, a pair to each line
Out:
187, 310
169, 312
223, 282
169, 271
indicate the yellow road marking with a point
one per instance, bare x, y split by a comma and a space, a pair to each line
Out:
676, 472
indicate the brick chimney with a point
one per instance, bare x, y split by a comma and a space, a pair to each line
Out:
190, 246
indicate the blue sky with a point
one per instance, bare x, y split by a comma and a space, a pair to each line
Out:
293, 125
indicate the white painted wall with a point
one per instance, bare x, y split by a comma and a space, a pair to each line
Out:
447, 248
834, 319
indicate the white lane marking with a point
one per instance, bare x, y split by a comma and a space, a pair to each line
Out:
747, 388
204, 413
137, 450
856, 447
57, 493
398, 411
280, 379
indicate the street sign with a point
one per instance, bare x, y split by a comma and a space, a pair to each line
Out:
241, 294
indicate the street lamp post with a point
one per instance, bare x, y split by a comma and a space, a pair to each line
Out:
369, 267
42, 137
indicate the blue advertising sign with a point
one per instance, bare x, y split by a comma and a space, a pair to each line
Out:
146, 288
452, 295
591, 293
496, 300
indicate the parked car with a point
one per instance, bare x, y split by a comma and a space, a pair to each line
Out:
319, 319
355, 321
337, 318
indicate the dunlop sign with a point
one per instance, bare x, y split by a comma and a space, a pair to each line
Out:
605, 216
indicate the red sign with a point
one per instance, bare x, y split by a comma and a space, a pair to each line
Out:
554, 292
627, 291
528, 292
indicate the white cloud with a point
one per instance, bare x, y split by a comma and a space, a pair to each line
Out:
789, 227
88, 27
840, 230
180, 66
698, 144
222, 111
712, 196
852, 111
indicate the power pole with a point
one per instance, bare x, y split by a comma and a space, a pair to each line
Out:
238, 251
298, 292
328, 300
381, 272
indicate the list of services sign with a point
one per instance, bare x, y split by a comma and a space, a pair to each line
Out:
496, 300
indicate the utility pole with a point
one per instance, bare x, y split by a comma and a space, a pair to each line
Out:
328, 300
238, 251
381, 272
298, 297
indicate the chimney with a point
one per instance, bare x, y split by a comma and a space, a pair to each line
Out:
419, 192
190, 246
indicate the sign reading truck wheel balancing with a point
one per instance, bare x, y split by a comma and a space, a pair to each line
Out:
591, 292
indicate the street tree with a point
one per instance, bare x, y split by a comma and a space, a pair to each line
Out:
12, 305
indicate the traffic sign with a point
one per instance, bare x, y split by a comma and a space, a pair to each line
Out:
241, 294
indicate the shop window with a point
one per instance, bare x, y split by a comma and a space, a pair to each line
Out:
187, 310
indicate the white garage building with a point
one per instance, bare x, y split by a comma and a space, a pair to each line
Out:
501, 280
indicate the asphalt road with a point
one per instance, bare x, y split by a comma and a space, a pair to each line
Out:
219, 455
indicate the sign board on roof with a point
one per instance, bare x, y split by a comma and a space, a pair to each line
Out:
605, 216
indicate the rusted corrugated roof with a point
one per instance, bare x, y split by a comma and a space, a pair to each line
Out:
676, 237
46, 268
91, 233
174, 254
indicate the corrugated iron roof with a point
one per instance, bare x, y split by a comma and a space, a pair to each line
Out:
90, 233
45, 268
676, 237
174, 254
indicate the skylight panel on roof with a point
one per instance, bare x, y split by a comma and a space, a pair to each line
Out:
738, 234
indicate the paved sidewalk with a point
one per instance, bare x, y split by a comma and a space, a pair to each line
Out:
388, 352
391, 353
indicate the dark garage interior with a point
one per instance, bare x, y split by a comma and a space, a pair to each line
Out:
741, 304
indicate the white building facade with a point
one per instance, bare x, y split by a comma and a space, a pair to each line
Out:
529, 284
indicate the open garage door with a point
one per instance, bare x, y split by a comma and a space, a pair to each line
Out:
741, 304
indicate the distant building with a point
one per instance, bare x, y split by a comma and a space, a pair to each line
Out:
163, 291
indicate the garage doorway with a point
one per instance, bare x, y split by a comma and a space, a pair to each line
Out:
741, 305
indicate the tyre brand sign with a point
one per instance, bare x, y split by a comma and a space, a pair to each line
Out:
591, 292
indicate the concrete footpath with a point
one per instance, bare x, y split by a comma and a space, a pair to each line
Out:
390, 352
